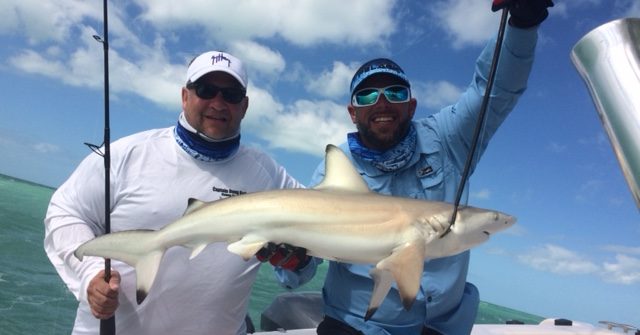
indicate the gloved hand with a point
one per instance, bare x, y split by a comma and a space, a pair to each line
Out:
528, 13
499, 4
284, 255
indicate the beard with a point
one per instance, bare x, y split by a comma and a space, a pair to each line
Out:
382, 142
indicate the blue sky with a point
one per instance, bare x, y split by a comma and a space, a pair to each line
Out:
575, 252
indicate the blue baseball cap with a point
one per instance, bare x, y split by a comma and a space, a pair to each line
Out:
375, 66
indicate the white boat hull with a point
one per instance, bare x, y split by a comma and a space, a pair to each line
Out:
546, 327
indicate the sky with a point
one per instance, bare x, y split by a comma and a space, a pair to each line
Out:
575, 251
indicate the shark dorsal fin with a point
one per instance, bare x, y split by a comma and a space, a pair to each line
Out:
340, 173
194, 205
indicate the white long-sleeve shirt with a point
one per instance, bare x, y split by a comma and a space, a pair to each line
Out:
152, 179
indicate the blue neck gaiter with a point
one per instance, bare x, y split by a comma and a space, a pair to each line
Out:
389, 160
201, 147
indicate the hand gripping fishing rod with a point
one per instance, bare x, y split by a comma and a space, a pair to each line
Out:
497, 5
108, 326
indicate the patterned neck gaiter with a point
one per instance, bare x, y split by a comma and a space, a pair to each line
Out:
389, 160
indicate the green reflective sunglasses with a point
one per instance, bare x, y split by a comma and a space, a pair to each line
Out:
369, 96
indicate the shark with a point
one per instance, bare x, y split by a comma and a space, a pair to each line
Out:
340, 219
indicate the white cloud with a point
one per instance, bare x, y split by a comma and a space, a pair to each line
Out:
314, 122
258, 58
556, 147
589, 190
468, 22
483, 194
496, 251
46, 148
145, 70
523, 196
517, 230
300, 22
556, 259
436, 94
42, 21
599, 140
24, 145
32, 62
262, 108
625, 270
299, 127
622, 249
143, 67
151, 76
334, 83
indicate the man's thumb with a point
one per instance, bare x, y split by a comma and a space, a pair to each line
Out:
114, 281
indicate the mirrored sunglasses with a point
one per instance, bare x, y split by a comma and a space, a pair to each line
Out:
369, 96
232, 95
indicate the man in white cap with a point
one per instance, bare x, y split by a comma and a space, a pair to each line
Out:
153, 174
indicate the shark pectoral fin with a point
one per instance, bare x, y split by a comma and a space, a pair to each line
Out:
146, 270
197, 250
382, 280
406, 264
248, 246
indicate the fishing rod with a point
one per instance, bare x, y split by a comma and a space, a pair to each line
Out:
108, 326
496, 6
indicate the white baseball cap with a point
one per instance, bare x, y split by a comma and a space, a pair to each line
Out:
212, 61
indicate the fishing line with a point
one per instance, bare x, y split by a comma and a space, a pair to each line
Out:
481, 115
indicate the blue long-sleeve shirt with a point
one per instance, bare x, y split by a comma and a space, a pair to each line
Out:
445, 302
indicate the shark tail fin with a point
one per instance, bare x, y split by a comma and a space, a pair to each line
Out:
146, 270
138, 248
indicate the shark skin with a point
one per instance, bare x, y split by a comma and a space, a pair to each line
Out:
340, 219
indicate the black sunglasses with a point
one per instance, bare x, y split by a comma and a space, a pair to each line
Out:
232, 95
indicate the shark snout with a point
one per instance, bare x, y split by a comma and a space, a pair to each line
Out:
505, 221
508, 220
500, 222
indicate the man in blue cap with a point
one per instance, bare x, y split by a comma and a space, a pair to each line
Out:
421, 159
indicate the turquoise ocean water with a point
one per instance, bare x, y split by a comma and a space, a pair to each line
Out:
33, 299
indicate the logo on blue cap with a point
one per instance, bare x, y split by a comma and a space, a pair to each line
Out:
378, 65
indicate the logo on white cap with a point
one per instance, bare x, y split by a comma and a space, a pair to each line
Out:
220, 58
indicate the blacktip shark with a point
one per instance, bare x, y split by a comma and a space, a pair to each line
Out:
340, 219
